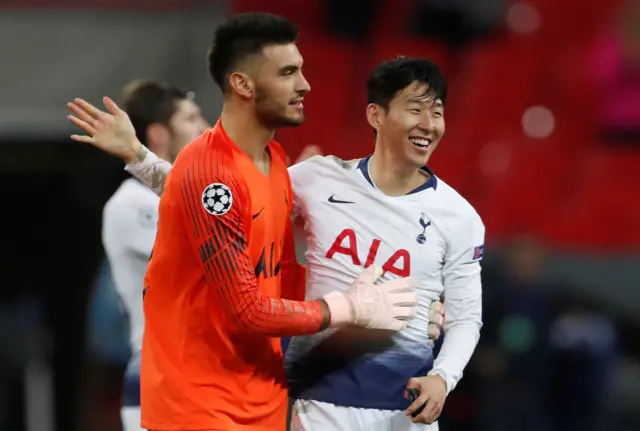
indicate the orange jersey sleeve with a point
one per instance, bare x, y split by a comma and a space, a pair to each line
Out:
221, 242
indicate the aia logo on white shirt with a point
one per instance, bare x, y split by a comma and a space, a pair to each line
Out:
346, 244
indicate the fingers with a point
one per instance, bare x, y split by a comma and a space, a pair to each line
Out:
112, 107
82, 124
437, 307
404, 299
434, 402
416, 406
403, 312
436, 314
413, 383
88, 108
398, 285
430, 414
418, 403
84, 139
81, 113
370, 275
433, 331
377, 272
396, 325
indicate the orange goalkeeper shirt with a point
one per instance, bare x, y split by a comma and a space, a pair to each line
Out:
210, 356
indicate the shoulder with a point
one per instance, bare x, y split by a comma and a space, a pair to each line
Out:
206, 151
207, 160
311, 168
458, 211
132, 207
130, 197
207, 179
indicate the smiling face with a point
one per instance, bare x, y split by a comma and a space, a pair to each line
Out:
412, 125
255, 61
280, 87
406, 108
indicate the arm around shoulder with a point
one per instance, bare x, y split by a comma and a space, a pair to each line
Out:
218, 223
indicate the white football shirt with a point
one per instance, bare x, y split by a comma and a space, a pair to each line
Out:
129, 224
431, 234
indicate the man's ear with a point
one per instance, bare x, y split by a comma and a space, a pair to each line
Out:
375, 116
242, 84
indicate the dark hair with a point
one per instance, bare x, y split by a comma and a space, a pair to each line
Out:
148, 102
245, 35
392, 76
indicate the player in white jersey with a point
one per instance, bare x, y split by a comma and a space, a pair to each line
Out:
391, 210
166, 119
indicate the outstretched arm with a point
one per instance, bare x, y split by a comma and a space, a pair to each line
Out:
153, 171
150, 169
113, 133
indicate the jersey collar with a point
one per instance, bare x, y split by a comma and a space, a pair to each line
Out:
431, 183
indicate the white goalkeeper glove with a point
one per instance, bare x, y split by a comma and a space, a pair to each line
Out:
374, 306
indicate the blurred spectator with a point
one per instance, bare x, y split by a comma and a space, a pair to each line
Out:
107, 324
512, 359
584, 349
616, 58
20, 317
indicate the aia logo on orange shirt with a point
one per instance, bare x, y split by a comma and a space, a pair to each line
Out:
268, 264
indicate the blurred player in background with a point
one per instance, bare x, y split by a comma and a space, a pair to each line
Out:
212, 292
165, 118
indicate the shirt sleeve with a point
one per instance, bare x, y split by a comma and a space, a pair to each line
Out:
151, 170
218, 231
463, 301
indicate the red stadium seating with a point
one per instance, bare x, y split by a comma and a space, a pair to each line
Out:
307, 14
328, 67
567, 187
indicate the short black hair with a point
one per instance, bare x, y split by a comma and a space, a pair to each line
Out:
392, 76
245, 35
148, 102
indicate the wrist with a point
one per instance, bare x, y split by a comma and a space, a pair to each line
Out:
137, 153
340, 310
439, 373
326, 314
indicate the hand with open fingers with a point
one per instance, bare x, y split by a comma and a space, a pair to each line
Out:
111, 131
436, 319
385, 306
433, 392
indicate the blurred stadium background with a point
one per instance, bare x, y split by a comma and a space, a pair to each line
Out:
543, 138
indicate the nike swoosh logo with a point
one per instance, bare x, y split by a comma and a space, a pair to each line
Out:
333, 200
255, 216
